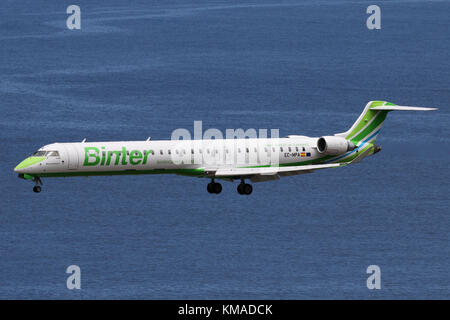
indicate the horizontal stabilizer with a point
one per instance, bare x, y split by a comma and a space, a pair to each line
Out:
402, 108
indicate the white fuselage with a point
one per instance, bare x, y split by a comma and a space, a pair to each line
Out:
134, 156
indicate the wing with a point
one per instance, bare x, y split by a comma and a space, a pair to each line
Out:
269, 173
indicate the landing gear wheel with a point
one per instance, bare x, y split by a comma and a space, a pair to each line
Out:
37, 189
217, 188
214, 187
247, 189
240, 188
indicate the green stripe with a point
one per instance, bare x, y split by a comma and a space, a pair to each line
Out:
379, 119
366, 118
354, 155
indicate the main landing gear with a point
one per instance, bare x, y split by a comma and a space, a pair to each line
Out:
214, 187
37, 188
244, 188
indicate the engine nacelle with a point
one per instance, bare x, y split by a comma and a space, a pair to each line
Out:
334, 145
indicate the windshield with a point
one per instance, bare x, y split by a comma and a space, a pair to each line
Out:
39, 154
45, 154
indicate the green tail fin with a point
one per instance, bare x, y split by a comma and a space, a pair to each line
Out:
366, 128
369, 123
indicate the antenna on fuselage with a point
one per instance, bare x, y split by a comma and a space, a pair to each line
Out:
84, 140
148, 139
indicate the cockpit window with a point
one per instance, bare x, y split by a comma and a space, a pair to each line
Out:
39, 154
45, 154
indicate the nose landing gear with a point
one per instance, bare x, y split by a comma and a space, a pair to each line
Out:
37, 188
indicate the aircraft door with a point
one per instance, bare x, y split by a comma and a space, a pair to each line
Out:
71, 156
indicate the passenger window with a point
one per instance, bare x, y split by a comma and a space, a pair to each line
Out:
281, 149
192, 151
160, 152
246, 149
303, 148
289, 148
169, 151
296, 149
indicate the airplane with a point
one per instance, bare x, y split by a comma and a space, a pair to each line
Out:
260, 159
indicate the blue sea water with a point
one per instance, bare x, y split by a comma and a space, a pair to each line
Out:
144, 68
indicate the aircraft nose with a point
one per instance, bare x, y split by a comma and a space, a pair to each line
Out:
20, 167
27, 163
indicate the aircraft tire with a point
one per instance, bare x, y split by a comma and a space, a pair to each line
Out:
240, 188
247, 189
217, 188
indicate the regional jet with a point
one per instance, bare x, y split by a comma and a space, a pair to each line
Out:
255, 159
